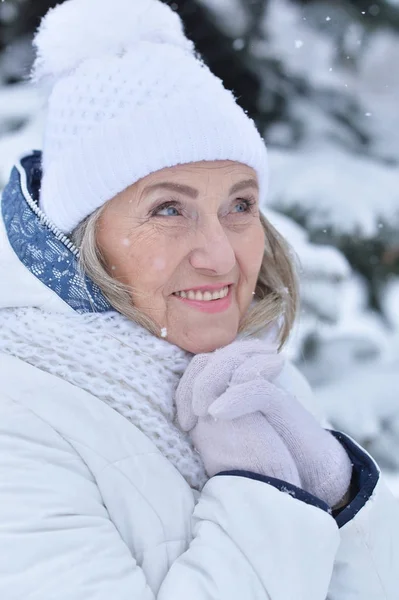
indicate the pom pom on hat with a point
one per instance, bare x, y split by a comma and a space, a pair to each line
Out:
128, 96
78, 30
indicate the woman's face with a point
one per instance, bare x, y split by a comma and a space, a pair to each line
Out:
182, 236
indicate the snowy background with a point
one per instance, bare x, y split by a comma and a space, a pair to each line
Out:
321, 80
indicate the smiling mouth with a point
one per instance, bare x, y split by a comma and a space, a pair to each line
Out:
206, 296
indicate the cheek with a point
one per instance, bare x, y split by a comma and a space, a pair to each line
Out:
251, 251
159, 264
137, 256
150, 269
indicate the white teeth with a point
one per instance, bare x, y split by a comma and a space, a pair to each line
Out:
204, 296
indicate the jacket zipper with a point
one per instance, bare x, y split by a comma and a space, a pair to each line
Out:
58, 234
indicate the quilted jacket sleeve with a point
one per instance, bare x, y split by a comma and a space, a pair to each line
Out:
367, 562
251, 539
254, 539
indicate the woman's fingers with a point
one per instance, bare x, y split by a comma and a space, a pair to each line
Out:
219, 372
255, 396
209, 376
264, 366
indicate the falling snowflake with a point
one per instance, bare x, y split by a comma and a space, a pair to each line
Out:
374, 10
238, 44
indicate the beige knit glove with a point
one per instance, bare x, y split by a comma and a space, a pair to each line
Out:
246, 443
258, 426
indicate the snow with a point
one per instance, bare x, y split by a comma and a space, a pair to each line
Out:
356, 374
323, 268
8, 12
390, 301
321, 260
332, 188
231, 15
374, 83
331, 181
392, 480
364, 404
19, 104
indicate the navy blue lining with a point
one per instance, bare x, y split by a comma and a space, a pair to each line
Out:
39, 250
282, 486
365, 478
32, 165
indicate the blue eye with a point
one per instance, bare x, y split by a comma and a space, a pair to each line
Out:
167, 209
244, 206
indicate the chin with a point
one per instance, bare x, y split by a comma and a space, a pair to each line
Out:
208, 341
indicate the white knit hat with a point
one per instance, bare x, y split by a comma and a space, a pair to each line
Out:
129, 96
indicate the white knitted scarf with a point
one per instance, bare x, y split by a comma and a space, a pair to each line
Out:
117, 361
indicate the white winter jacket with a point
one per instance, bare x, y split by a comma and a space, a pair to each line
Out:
91, 510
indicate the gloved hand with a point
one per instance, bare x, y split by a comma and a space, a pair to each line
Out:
259, 427
247, 443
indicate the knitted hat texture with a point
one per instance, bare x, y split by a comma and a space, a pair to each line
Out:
128, 96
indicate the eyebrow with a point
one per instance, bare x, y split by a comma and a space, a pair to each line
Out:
243, 185
172, 187
193, 193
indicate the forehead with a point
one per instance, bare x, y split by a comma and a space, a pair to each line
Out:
221, 173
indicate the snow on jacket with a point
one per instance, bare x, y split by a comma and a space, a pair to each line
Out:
91, 509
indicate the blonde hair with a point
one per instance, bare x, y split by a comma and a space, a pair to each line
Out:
276, 290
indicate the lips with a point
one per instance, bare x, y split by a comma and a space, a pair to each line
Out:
210, 306
212, 287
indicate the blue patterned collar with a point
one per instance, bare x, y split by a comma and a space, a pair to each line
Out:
45, 251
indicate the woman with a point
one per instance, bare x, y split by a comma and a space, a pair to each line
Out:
153, 442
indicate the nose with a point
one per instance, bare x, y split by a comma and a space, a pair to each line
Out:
213, 251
